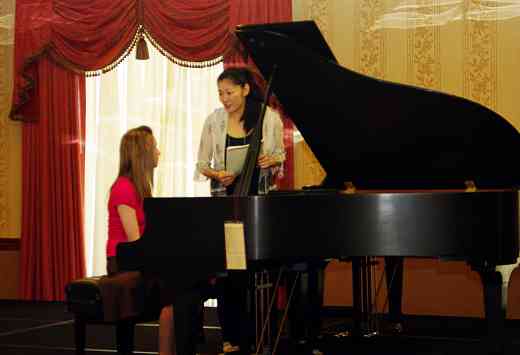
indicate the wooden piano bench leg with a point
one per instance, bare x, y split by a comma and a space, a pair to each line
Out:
125, 337
80, 329
85, 300
124, 330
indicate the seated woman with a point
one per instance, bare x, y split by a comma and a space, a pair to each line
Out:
126, 220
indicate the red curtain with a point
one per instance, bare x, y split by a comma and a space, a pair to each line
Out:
243, 12
52, 214
56, 42
194, 30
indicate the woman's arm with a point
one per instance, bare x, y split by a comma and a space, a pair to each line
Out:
129, 221
277, 156
205, 156
205, 153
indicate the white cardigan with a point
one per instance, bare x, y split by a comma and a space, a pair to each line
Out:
213, 144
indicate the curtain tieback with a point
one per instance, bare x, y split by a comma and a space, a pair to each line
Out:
141, 51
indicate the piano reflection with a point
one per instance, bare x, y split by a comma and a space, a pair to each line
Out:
433, 175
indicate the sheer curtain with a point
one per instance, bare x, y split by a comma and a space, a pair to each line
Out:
174, 101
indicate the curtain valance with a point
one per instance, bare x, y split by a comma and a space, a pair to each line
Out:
95, 35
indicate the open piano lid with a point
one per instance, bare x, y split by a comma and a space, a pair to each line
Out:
377, 134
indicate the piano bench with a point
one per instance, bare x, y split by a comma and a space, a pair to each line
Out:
117, 300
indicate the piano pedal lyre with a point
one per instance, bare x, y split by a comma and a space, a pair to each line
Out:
264, 297
367, 289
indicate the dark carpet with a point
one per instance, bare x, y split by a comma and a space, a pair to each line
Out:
45, 328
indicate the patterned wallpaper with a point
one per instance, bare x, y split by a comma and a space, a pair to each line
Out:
424, 63
423, 21
319, 12
4, 146
370, 43
480, 52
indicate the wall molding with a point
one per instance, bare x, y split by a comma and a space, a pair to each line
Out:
9, 244
4, 142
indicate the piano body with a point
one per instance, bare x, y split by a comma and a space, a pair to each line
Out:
411, 153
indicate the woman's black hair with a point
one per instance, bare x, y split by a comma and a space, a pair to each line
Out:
242, 76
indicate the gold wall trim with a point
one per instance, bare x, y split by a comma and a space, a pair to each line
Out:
480, 52
4, 140
424, 61
369, 50
7, 9
9, 244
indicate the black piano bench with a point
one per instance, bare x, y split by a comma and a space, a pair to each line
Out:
117, 300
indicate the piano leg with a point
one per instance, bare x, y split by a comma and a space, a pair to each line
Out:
305, 310
185, 312
357, 312
125, 337
494, 312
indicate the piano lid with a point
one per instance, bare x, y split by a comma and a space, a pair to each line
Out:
378, 134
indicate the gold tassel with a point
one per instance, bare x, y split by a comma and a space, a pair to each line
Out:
141, 51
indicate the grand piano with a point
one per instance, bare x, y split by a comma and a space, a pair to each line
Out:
433, 175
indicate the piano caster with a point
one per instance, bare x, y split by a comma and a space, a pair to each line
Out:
363, 333
368, 330
306, 347
344, 334
395, 328
370, 334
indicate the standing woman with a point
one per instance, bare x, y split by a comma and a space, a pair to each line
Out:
233, 125
138, 157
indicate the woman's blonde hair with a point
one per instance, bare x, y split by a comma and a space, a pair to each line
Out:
136, 159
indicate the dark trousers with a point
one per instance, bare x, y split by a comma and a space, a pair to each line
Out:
232, 294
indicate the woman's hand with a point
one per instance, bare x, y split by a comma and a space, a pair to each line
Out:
225, 177
266, 161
